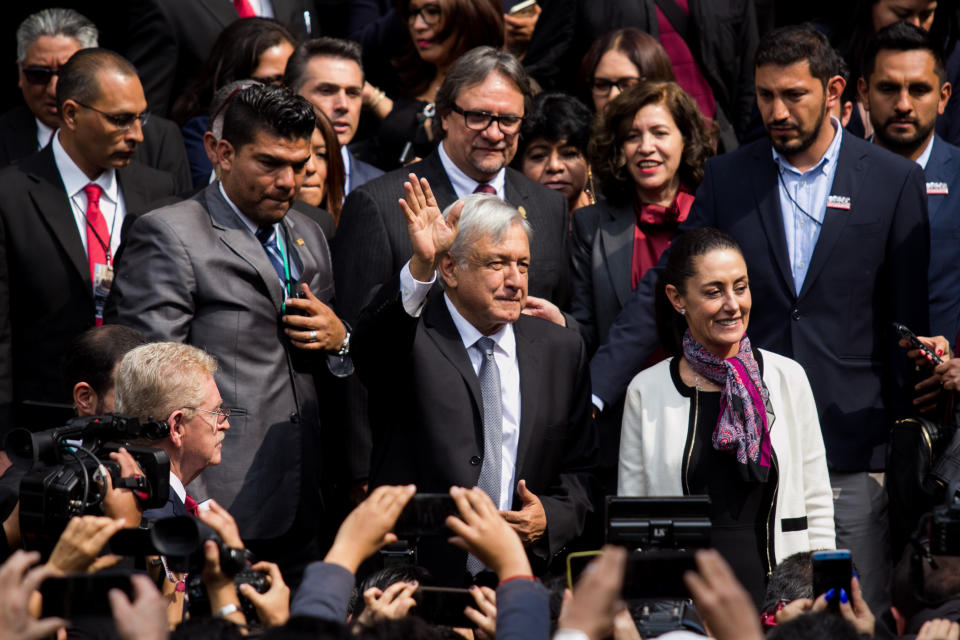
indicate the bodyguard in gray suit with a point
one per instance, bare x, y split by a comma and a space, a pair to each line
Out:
222, 271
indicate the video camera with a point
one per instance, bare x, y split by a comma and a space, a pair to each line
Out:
68, 464
180, 541
663, 534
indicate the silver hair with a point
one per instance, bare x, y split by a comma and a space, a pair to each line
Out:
154, 380
218, 106
56, 22
484, 215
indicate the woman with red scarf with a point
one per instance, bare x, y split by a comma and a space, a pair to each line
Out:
725, 420
647, 156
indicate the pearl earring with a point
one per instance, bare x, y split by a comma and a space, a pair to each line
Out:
683, 312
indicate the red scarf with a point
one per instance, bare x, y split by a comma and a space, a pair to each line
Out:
654, 231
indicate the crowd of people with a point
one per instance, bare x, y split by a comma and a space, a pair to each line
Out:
494, 269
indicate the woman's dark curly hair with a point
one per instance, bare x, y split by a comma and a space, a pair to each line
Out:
612, 127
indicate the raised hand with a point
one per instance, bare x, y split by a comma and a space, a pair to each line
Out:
431, 235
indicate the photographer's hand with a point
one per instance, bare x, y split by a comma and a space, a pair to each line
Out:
596, 599
852, 607
482, 531
273, 607
318, 318
121, 503
929, 387
939, 629
220, 587
722, 602
390, 604
17, 582
220, 520
368, 527
484, 615
143, 619
81, 542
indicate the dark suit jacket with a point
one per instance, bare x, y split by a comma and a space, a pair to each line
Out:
361, 172
943, 174
162, 147
192, 272
169, 40
46, 297
602, 254
372, 246
869, 269
173, 508
426, 415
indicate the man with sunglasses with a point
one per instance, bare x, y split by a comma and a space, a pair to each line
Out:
45, 41
62, 213
175, 382
479, 110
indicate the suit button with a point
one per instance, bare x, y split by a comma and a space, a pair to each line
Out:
795, 314
475, 460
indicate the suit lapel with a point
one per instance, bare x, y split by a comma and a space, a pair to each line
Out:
531, 378
850, 166
766, 185
134, 191
49, 196
238, 238
439, 326
616, 233
432, 169
221, 10
939, 169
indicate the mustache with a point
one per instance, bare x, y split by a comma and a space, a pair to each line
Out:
900, 120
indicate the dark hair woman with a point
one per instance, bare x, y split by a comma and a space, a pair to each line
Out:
323, 184
620, 59
553, 147
255, 48
439, 32
725, 420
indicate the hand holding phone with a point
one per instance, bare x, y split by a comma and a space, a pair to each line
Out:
832, 572
915, 343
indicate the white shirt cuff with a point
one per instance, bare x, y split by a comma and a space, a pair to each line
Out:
570, 634
597, 401
413, 293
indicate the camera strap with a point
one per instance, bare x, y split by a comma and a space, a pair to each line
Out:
137, 483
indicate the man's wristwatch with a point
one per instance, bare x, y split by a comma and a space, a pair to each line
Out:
345, 345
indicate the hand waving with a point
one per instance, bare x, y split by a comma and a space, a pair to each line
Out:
431, 235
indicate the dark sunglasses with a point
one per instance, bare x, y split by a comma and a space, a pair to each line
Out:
37, 74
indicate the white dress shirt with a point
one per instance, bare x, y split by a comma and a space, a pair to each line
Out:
263, 8
111, 200
413, 295
44, 133
464, 185
177, 487
345, 156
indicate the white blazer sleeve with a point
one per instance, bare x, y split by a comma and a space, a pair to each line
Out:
816, 480
630, 477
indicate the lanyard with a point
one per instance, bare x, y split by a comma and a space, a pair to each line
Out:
287, 280
106, 245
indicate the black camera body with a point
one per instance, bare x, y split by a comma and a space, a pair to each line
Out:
66, 479
945, 524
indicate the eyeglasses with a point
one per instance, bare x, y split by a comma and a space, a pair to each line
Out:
602, 86
429, 12
120, 121
39, 74
480, 120
222, 413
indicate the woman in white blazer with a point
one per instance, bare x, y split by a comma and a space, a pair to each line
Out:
726, 420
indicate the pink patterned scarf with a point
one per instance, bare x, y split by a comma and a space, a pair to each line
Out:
745, 413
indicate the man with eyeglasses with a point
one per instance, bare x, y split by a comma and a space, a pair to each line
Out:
62, 213
45, 41
174, 382
479, 110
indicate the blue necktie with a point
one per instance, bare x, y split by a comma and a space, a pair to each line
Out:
268, 239
489, 479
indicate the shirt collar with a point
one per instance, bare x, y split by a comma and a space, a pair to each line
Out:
504, 339
178, 488
464, 185
74, 179
247, 222
43, 134
830, 156
924, 157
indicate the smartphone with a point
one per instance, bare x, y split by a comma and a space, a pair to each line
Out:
522, 8
649, 574
915, 342
443, 606
426, 515
832, 570
82, 595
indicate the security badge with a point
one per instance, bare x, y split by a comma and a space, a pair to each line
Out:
937, 189
102, 281
838, 202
